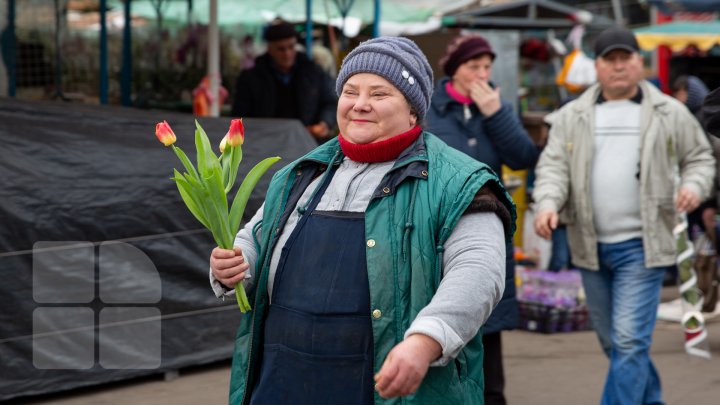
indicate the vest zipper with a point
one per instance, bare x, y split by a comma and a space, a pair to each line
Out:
408, 223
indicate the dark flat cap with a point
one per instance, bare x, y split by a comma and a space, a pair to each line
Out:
279, 30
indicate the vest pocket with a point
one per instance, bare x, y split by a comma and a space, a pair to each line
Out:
295, 377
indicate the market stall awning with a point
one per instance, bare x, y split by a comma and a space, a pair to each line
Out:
671, 6
396, 17
542, 14
679, 34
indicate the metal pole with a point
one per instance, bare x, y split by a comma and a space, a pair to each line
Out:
190, 12
376, 25
557, 67
12, 49
308, 28
214, 59
58, 57
126, 73
617, 11
103, 54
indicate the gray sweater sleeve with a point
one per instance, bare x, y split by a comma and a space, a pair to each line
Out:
473, 282
244, 241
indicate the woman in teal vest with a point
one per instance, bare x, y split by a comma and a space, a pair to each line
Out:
375, 258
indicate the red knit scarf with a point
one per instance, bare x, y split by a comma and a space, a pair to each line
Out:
382, 151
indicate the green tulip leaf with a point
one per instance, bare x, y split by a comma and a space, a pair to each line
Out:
234, 164
246, 188
190, 200
185, 161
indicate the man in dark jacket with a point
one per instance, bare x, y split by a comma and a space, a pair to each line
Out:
286, 84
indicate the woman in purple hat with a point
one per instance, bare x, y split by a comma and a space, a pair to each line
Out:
467, 113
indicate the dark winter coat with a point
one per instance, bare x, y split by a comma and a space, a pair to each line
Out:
256, 92
500, 139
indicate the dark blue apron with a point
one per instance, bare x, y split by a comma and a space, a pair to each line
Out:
318, 345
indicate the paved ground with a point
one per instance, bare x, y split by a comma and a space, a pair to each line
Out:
540, 370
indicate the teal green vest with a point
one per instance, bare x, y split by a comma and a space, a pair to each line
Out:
406, 226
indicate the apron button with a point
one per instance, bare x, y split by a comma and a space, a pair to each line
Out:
371, 242
386, 190
376, 314
424, 173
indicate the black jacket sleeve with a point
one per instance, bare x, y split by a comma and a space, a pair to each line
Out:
241, 105
328, 101
710, 111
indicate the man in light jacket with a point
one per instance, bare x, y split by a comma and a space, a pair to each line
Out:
621, 160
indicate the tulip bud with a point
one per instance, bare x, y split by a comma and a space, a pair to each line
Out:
223, 144
164, 133
236, 133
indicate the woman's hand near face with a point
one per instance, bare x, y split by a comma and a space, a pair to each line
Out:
406, 365
228, 266
485, 97
319, 131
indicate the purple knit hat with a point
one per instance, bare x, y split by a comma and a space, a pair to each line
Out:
463, 48
399, 61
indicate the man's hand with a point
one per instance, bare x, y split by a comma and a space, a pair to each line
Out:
485, 97
545, 222
228, 266
686, 200
319, 131
406, 366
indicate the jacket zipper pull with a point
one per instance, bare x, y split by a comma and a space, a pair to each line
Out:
467, 113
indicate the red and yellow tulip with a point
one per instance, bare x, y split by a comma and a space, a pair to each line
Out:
223, 144
164, 133
236, 134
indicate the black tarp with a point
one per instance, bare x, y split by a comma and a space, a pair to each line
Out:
97, 179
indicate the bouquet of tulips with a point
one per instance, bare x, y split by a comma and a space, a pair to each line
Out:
204, 190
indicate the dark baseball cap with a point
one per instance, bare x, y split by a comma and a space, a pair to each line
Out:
615, 38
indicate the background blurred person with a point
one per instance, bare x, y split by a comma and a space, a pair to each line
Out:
610, 161
286, 84
691, 91
468, 114
710, 113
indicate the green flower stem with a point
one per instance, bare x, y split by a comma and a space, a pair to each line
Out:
241, 297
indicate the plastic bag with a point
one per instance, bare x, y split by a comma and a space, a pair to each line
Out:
533, 245
578, 72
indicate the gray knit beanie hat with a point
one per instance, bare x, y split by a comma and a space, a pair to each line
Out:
399, 61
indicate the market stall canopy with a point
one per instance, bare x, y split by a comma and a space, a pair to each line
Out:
396, 16
526, 14
671, 6
680, 34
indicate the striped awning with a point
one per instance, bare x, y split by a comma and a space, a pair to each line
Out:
679, 35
